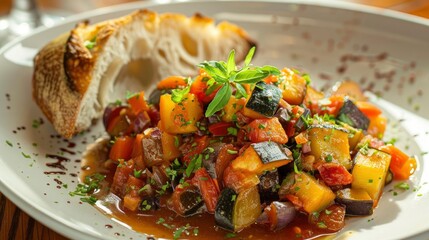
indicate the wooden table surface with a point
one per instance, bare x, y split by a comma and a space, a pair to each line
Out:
16, 224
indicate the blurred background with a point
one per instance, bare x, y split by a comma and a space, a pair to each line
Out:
20, 17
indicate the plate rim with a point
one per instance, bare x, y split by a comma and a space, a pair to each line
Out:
61, 227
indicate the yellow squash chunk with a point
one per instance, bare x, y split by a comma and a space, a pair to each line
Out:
369, 172
234, 105
330, 144
179, 118
293, 87
314, 195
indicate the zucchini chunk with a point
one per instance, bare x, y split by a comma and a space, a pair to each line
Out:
225, 209
330, 143
265, 99
350, 114
356, 201
259, 157
369, 172
314, 195
237, 211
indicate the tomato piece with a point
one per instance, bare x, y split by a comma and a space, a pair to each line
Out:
332, 218
224, 158
138, 103
220, 129
271, 129
330, 106
367, 108
122, 148
401, 165
208, 188
199, 88
334, 174
190, 149
172, 82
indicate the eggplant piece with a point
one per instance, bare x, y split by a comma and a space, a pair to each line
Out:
152, 147
155, 95
210, 156
186, 201
350, 114
265, 99
356, 201
268, 183
277, 215
283, 115
235, 212
301, 125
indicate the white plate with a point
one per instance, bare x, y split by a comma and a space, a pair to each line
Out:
391, 57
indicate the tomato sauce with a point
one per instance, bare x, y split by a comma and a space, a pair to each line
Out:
162, 223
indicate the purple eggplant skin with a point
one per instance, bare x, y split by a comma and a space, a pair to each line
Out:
152, 148
268, 183
350, 114
285, 213
210, 156
141, 122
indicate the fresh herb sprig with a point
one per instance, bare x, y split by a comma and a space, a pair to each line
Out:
226, 76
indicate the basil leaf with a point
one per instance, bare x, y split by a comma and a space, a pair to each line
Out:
241, 92
215, 71
250, 76
249, 56
177, 95
212, 88
271, 70
220, 100
230, 66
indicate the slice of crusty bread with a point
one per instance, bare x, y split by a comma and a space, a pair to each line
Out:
72, 83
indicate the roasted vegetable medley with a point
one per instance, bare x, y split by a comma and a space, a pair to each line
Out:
251, 145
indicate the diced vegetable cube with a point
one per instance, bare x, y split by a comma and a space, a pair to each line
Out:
369, 172
264, 99
180, 117
330, 143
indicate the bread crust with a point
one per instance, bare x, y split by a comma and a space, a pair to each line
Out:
67, 73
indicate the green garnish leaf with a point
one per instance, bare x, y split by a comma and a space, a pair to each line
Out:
241, 92
178, 95
220, 100
250, 76
249, 56
230, 66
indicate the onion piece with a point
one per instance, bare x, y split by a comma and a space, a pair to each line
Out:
277, 215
